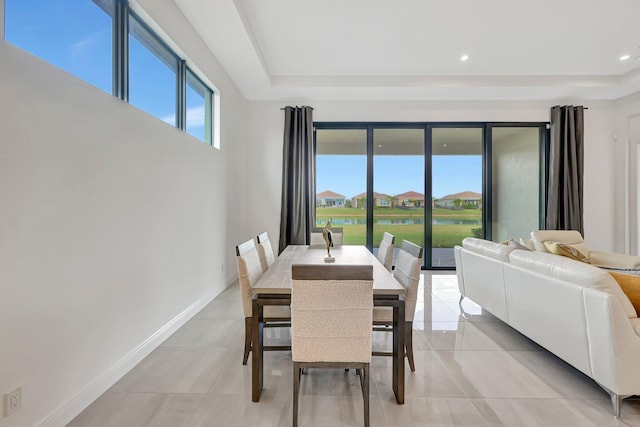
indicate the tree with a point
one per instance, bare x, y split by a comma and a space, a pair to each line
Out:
457, 203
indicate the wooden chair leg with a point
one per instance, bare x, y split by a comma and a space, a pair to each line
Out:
408, 340
365, 394
247, 339
296, 390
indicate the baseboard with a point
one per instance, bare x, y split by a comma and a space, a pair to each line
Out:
67, 412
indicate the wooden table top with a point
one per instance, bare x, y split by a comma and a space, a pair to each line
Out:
277, 279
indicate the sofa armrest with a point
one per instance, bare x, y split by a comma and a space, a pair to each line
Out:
457, 253
614, 260
614, 346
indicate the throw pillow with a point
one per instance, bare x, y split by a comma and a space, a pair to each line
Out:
528, 243
630, 285
565, 250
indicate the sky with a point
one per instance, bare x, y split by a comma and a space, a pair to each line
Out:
393, 175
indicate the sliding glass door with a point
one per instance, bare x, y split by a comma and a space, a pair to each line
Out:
456, 189
430, 183
516, 181
341, 181
398, 185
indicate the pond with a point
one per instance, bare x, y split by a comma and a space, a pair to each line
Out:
320, 222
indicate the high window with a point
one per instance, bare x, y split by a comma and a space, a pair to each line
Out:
199, 108
153, 69
111, 47
74, 35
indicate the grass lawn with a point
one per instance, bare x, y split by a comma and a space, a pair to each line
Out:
444, 235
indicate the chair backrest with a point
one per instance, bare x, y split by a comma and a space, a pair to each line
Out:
249, 271
331, 313
337, 235
385, 250
265, 251
568, 237
407, 272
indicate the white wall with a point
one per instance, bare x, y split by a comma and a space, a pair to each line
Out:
627, 141
602, 207
114, 227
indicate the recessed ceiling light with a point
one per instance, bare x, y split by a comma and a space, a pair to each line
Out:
625, 57
464, 57
444, 145
379, 145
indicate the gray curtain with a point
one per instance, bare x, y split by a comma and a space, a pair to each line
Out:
566, 166
298, 177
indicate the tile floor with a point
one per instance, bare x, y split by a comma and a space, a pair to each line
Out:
471, 370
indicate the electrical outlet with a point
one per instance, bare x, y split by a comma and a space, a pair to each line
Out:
12, 401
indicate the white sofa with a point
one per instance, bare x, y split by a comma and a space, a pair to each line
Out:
575, 310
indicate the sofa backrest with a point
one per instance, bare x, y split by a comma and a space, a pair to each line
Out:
480, 269
580, 273
488, 248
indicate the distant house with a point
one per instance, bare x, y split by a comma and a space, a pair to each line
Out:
380, 200
329, 199
410, 199
466, 198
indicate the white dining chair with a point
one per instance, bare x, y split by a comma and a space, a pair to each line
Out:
337, 235
249, 271
407, 272
385, 250
331, 315
265, 251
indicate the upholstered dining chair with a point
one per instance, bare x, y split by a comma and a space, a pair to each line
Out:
249, 271
407, 272
385, 250
337, 234
265, 251
331, 315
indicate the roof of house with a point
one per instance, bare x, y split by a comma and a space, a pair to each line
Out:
465, 195
375, 195
329, 195
410, 195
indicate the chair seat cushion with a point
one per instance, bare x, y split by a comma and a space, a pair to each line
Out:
382, 314
275, 312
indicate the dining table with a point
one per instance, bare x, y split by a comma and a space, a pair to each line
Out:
274, 288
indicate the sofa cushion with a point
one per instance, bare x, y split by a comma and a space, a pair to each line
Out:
615, 260
635, 324
487, 248
567, 269
630, 285
569, 251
